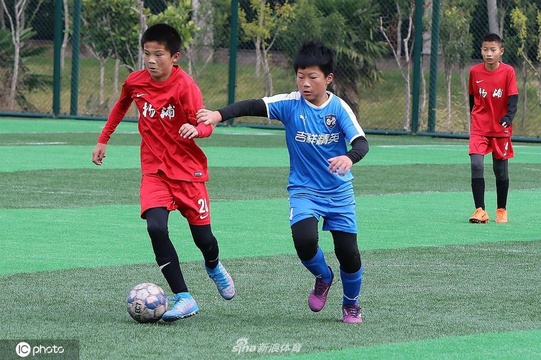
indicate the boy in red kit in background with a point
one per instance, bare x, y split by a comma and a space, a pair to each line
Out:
173, 166
493, 105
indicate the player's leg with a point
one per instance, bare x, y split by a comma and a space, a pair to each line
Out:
501, 171
205, 240
194, 204
503, 150
351, 274
479, 146
164, 250
478, 188
341, 221
167, 259
156, 203
305, 239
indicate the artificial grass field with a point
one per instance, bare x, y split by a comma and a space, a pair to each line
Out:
435, 287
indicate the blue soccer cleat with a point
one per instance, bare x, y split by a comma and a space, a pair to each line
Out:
223, 281
184, 306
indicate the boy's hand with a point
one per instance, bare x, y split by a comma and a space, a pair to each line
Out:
505, 122
99, 153
340, 165
188, 131
209, 117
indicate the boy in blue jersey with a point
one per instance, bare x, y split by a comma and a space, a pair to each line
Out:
318, 127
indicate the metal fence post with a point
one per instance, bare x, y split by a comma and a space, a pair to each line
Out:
75, 52
233, 44
417, 47
434, 49
57, 67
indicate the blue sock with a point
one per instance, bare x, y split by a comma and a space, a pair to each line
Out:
318, 266
351, 283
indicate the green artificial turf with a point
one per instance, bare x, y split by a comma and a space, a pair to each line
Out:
435, 286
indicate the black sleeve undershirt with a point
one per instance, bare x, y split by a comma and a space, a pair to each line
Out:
512, 103
257, 107
254, 107
359, 148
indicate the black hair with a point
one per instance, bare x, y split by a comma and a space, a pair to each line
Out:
492, 37
163, 34
314, 53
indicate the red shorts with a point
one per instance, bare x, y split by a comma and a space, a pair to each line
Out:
500, 147
190, 198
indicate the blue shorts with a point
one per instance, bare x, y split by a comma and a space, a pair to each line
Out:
337, 211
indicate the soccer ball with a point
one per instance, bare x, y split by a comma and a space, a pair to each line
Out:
146, 303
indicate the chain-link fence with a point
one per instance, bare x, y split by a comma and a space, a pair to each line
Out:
402, 64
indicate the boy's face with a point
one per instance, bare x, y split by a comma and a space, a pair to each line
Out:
158, 60
491, 52
312, 84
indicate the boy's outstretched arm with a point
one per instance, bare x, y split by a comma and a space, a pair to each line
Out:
209, 117
99, 153
254, 107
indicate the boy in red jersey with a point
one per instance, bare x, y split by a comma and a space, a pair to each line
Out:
173, 166
493, 105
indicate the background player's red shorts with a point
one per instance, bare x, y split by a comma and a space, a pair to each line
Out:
500, 147
190, 198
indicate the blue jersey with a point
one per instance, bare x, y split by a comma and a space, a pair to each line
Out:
315, 134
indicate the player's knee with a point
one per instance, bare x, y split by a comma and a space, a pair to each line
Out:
477, 170
305, 244
157, 223
306, 250
501, 170
203, 237
477, 166
156, 229
349, 260
347, 251
305, 238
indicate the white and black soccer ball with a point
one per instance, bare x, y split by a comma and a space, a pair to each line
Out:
146, 303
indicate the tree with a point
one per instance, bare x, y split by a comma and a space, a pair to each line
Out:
201, 49
108, 32
26, 81
492, 10
113, 29
526, 21
66, 34
348, 27
17, 18
456, 43
178, 15
263, 31
399, 38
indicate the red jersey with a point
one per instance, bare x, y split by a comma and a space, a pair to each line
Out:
163, 108
491, 90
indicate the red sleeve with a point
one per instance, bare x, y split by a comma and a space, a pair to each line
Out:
117, 114
191, 99
203, 130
